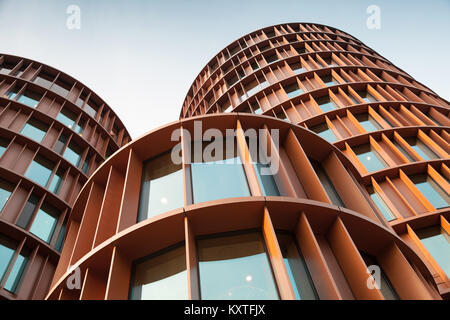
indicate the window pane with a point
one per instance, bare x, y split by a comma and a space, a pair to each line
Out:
27, 211
296, 267
56, 181
323, 131
219, 178
327, 184
297, 68
403, 151
293, 90
3, 145
370, 159
329, 80
30, 99
73, 154
235, 267
386, 287
437, 242
382, 206
326, 104
35, 130
161, 277
162, 187
367, 122
40, 170
16, 273
6, 189
431, 190
367, 97
421, 148
67, 117
7, 249
45, 222
59, 145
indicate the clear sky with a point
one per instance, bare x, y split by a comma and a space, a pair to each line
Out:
142, 55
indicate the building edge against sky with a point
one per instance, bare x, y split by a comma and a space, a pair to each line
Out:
54, 133
364, 150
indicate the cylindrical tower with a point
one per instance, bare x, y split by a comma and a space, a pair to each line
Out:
54, 132
360, 183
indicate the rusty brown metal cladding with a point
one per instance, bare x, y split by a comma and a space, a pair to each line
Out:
54, 132
348, 121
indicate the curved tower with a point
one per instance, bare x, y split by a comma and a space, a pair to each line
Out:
54, 132
360, 182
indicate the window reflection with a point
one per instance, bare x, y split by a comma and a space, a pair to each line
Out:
437, 242
235, 266
370, 159
296, 267
431, 190
161, 276
162, 187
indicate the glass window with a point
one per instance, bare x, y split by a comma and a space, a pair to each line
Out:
297, 68
217, 176
271, 58
45, 222
27, 211
235, 267
3, 145
381, 205
12, 92
328, 80
162, 187
35, 130
6, 189
367, 97
403, 151
326, 104
437, 242
86, 164
431, 190
421, 148
161, 276
256, 108
56, 181
296, 267
62, 233
73, 154
370, 159
67, 118
16, 273
60, 143
325, 132
44, 80
327, 183
367, 122
29, 98
40, 170
386, 288
7, 249
292, 90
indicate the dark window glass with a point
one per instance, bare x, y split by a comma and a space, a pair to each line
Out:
60, 143
296, 267
162, 187
386, 287
3, 145
161, 276
292, 90
56, 181
235, 267
217, 176
271, 58
329, 80
327, 183
91, 108
437, 242
297, 68
44, 80
61, 87
27, 211
86, 164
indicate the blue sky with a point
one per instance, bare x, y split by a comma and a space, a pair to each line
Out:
142, 55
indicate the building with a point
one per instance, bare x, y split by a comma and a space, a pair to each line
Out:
362, 182
54, 132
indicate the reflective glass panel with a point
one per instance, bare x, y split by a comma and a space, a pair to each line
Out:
437, 242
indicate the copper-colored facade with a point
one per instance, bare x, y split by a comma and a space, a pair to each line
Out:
54, 132
348, 121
